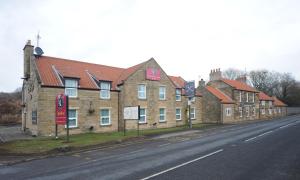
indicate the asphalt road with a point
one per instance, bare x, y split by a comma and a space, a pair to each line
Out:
263, 150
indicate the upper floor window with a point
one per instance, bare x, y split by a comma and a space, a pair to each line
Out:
270, 103
247, 97
162, 93
263, 103
142, 91
178, 94
240, 96
104, 90
253, 97
228, 111
71, 87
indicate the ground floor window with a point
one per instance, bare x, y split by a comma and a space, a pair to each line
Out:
162, 114
105, 117
34, 117
193, 113
241, 111
247, 111
270, 111
228, 111
263, 111
178, 114
254, 111
279, 110
143, 115
73, 118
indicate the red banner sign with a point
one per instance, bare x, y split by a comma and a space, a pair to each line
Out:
61, 105
153, 74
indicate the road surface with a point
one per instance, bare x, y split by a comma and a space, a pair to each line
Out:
260, 150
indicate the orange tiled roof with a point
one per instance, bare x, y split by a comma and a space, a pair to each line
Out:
220, 95
239, 85
277, 102
262, 96
50, 67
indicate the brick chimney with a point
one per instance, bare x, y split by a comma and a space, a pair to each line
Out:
201, 84
242, 79
28, 52
215, 74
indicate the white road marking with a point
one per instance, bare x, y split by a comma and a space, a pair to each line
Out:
183, 164
133, 152
284, 126
164, 144
259, 136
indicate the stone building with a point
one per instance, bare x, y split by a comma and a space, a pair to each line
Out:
245, 97
280, 109
266, 106
217, 106
98, 94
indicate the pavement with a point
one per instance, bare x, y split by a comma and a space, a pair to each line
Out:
258, 150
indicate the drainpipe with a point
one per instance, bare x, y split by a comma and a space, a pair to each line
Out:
222, 114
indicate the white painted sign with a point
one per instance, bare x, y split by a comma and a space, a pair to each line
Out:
131, 112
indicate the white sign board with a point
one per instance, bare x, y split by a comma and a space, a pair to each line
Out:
131, 112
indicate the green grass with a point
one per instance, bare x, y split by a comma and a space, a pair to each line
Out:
46, 144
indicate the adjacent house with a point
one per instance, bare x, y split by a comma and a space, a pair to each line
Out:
243, 98
280, 109
266, 106
98, 94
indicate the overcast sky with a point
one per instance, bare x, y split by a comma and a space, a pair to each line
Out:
187, 38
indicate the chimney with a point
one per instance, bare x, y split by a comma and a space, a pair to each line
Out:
215, 74
242, 79
201, 84
28, 52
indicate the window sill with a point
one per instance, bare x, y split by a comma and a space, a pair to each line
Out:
178, 119
142, 123
105, 125
72, 127
162, 121
104, 98
142, 99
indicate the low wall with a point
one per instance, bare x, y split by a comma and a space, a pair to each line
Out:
293, 110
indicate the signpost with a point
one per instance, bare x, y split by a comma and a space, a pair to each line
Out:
132, 113
190, 92
61, 113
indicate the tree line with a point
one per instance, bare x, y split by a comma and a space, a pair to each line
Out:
282, 85
10, 107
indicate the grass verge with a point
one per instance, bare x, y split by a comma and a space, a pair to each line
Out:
47, 144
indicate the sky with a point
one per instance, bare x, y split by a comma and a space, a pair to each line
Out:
187, 38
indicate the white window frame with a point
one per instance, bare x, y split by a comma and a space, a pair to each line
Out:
193, 99
270, 111
263, 111
228, 111
164, 115
263, 103
254, 111
274, 111
71, 88
193, 113
253, 97
163, 92
144, 115
270, 103
279, 110
102, 117
76, 118
178, 119
103, 91
178, 96
240, 96
247, 97
142, 92
241, 111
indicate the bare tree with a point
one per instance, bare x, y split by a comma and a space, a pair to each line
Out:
232, 73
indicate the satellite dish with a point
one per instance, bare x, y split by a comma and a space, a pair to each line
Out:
39, 51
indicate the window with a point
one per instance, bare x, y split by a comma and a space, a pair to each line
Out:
241, 111
142, 116
105, 117
263, 111
247, 111
72, 118
240, 96
274, 111
253, 97
34, 117
254, 111
162, 114
142, 91
162, 93
270, 103
104, 90
178, 94
228, 111
193, 99
193, 113
247, 97
263, 103
178, 114
270, 111
71, 87
279, 110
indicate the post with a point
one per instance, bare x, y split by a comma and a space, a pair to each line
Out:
124, 127
56, 137
189, 107
67, 105
138, 121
